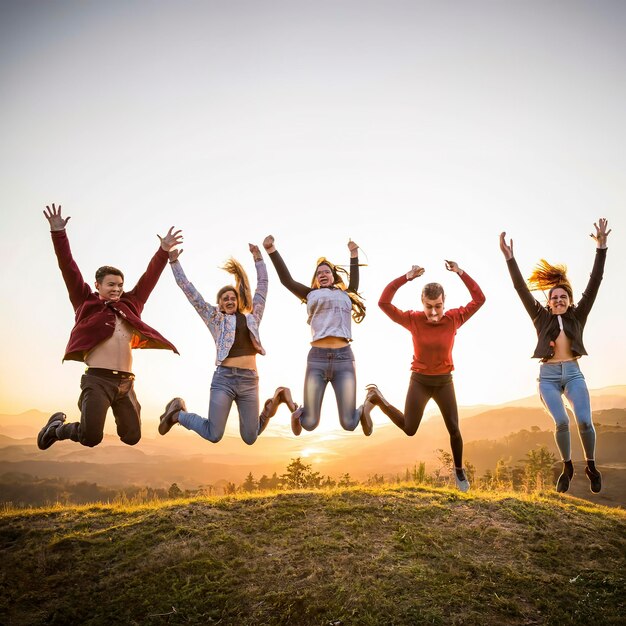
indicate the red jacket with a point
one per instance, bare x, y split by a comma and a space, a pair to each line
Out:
432, 343
95, 318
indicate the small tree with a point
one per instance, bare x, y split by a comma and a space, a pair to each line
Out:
249, 484
174, 491
296, 475
346, 481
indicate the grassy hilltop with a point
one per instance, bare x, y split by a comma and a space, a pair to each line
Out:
391, 555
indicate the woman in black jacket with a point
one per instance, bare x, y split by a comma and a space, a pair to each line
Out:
559, 327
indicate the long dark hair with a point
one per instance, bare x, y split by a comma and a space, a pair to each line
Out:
358, 307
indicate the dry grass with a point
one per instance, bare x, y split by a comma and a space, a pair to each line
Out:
388, 555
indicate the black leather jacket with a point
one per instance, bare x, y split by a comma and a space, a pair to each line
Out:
574, 319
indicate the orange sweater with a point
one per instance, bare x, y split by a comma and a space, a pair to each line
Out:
432, 343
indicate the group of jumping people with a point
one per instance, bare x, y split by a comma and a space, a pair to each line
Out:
108, 326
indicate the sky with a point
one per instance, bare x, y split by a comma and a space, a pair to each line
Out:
420, 130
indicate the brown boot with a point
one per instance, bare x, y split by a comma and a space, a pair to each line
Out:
374, 396
170, 416
271, 406
296, 425
366, 420
287, 399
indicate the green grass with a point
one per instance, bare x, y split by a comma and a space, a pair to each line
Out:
386, 555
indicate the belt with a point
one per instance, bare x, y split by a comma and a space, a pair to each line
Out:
101, 371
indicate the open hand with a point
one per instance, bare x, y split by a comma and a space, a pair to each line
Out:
54, 217
172, 239
602, 233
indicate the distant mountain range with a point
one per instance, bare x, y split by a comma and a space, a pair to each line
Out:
506, 431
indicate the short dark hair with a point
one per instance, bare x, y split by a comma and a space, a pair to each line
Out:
105, 270
567, 288
432, 291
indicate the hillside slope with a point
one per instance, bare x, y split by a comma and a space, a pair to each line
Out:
395, 555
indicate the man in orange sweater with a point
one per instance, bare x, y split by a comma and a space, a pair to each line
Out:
433, 330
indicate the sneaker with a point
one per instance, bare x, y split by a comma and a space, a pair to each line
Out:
366, 418
462, 483
48, 434
595, 480
296, 425
166, 421
562, 484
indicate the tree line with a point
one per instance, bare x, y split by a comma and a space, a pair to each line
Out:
533, 473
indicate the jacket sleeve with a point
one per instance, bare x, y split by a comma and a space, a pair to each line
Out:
532, 306
583, 307
296, 288
77, 289
260, 294
397, 315
204, 309
354, 274
148, 280
478, 299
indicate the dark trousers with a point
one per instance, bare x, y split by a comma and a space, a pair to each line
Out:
102, 389
422, 388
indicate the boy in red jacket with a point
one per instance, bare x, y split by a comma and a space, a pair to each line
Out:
108, 326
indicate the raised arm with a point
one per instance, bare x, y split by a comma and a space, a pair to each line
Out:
77, 289
262, 282
204, 309
296, 288
353, 285
147, 282
591, 290
532, 306
478, 297
394, 313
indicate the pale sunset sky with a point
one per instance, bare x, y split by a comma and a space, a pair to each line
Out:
421, 130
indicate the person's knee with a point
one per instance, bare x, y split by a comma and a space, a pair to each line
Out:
562, 427
90, 440
455, 433
130, 439
249, 437
309, 424
585, 427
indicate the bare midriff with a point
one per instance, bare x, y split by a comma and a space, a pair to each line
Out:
246, 361
115, 352
330, 342
562, 349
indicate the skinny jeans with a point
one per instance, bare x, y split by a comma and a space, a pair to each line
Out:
565, 379
423, 388
101, 389
334, 366
229, 384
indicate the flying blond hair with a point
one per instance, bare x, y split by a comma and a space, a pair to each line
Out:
242, 285
546, 276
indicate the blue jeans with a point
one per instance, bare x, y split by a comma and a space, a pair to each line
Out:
229, 384
334, 366
565, 379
